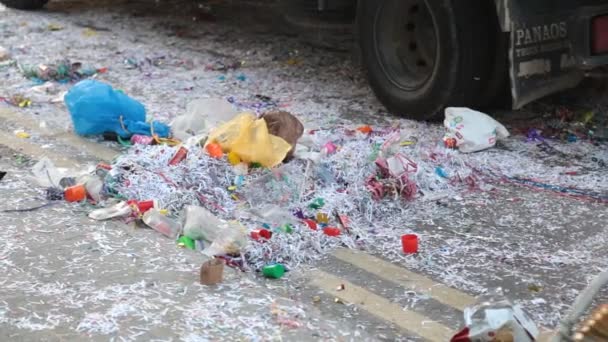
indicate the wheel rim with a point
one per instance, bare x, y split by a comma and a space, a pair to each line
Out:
406, 43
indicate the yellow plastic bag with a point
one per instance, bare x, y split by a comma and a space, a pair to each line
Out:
248, 137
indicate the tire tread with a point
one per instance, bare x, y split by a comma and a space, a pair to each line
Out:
25, 4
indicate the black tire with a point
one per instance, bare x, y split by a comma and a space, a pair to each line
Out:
449, 58
25, 4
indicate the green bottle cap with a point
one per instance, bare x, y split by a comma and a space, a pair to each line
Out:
288, 228
318, 203
186, 242
274, 271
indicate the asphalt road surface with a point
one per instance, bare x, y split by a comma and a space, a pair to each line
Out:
66, 277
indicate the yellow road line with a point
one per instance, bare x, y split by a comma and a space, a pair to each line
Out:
381, 307
32, 126
414, 281
405, 278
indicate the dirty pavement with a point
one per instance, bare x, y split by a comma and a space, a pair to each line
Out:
242, 182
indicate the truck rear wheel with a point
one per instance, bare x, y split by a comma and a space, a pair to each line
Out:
25, 4
422, 55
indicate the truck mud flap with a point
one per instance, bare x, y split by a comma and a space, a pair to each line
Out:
541, 54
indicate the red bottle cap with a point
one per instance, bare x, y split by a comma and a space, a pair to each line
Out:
144, 206
367, 129
215, 150
75, 193
261, 234
311, 224
331, 231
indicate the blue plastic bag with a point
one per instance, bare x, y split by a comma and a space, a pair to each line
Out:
96, 108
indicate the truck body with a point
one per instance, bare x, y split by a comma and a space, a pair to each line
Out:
543, 46
553, 45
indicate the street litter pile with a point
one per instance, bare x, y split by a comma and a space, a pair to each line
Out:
339, 180
267, 195
63, 72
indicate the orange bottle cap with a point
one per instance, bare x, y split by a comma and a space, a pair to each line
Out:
75, 193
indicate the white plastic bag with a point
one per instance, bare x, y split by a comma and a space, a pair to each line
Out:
473, 130
201, 116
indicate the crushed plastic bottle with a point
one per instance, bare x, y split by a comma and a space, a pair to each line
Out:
232, 240
226, 237
274, 215
200, 223
117, 210
281, 186
493, 318
162, 224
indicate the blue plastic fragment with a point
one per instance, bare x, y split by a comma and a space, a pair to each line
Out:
441, 172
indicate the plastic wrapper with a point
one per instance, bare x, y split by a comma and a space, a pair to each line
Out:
473, 130
250, 140
495, 319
